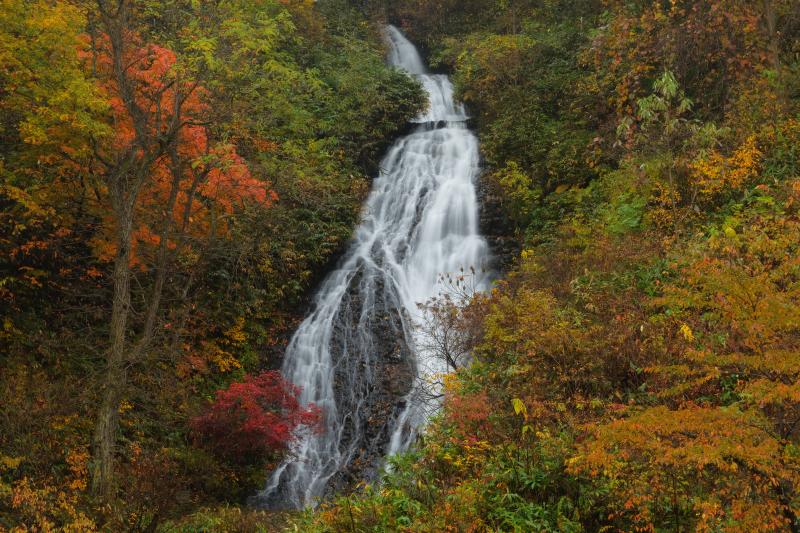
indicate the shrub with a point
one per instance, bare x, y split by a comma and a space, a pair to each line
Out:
254, 417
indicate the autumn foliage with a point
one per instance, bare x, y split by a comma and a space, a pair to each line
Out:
197, 179
257, 416
636, 369
173, 177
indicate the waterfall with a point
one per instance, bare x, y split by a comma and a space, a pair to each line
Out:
354, 355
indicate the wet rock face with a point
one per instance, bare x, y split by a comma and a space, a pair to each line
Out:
495, 227
369, 385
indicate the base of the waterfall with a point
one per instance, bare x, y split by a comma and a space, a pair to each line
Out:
365, 438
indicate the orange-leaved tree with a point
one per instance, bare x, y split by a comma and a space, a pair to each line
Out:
162, 181
720, 449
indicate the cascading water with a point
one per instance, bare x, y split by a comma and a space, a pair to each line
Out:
354, 355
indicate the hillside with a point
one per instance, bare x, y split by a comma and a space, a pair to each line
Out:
176, 178
637, 369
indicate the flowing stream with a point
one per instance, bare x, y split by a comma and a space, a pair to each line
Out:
354, 356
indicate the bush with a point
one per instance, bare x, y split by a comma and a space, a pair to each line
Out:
253, 418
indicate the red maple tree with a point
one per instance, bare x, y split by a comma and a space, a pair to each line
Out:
254, 417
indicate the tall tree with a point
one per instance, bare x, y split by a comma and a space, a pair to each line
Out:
158, 165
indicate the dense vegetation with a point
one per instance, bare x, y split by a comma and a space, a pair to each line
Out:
173, 177
639, 367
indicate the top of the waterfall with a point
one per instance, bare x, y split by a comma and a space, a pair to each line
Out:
402, 53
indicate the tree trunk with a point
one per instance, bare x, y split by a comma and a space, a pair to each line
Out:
771, 24
126, 174
114, 380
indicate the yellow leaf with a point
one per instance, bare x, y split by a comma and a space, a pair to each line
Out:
519, 407
687, 332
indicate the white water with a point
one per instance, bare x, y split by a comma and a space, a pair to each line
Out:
420, 221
